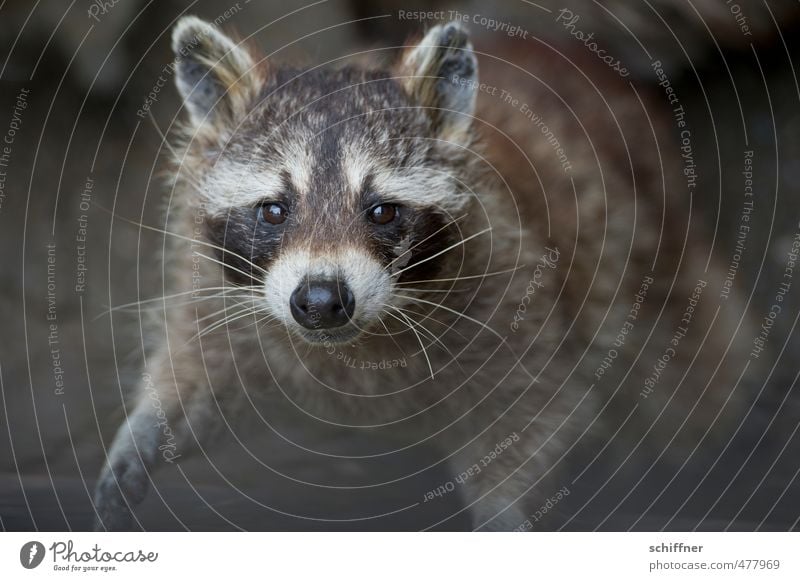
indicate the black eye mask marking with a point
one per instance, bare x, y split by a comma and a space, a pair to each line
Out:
418, 235
245, 239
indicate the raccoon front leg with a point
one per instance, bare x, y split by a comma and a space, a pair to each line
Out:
123, 482
159, 427
496, 476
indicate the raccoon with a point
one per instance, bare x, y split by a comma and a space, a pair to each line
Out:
519, 241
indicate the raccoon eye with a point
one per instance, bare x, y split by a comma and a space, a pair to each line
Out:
382, 214
273, 213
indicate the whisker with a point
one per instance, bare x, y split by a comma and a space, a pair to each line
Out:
262, 324
180, 294
428, 331
428, 316
195, 181
223, 310
413, 321
226, 265
457, 278
422, 290
424, 240
228, 318
424, 351
391, 335
467, 317
448, 249
192, 240
255, 323
226, 321
266, 318
159, 307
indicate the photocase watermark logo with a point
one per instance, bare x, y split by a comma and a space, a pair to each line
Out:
100, 8
65, 556
31, 554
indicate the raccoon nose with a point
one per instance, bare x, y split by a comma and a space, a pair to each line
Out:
322, 304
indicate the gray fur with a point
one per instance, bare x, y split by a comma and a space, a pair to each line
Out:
330, 144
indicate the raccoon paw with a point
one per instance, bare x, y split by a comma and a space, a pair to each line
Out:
498, 516
120, 488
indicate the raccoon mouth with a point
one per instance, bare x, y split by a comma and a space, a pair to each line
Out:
330, 337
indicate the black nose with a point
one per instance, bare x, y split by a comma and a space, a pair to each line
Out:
322, 304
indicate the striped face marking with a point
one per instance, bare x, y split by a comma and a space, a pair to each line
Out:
350, 193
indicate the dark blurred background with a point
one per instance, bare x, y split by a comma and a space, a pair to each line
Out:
83, 69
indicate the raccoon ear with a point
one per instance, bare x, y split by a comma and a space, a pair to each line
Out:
440, 74
217, 78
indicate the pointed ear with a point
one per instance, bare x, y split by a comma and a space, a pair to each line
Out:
217, 78
441, 74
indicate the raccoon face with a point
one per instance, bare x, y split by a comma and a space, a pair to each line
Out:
328, 189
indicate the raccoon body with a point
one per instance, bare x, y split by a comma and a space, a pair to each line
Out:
420, 249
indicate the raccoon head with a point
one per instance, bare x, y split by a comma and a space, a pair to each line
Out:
326, 188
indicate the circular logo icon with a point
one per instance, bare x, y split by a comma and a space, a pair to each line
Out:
31, 554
